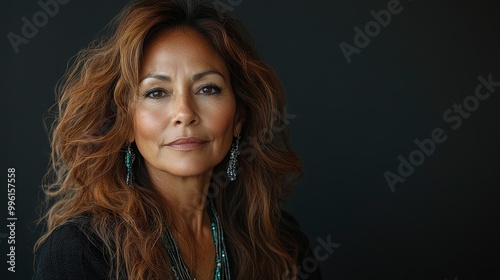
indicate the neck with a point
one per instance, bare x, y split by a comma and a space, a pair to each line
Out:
186, 200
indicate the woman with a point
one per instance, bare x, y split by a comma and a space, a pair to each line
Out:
171, 156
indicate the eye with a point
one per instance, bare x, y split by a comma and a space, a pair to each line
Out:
209, 90
155, 93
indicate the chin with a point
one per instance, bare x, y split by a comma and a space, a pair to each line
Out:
182, 170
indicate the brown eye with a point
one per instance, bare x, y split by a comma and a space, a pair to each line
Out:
209, 90
155, 93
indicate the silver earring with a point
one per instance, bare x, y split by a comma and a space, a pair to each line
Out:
129, 160
233, 159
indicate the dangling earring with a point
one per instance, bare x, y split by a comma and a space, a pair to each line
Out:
233, 159
129, 160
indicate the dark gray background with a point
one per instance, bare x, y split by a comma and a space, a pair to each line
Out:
350, 123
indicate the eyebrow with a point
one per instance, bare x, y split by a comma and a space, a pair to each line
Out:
158, 77
169, 79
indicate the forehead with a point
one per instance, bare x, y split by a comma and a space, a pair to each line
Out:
181, 48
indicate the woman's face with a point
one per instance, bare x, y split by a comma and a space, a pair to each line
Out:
185, 111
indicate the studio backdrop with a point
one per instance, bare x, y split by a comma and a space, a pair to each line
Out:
392, 106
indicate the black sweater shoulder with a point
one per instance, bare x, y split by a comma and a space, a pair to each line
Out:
71, 252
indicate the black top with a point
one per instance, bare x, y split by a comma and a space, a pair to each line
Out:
71, 252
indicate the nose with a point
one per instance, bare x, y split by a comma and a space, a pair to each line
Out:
184, 111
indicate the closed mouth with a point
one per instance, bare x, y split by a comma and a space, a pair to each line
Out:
187, 143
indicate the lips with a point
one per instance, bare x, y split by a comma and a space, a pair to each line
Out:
187, 143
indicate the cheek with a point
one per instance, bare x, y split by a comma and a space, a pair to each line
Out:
147, 125
222, 119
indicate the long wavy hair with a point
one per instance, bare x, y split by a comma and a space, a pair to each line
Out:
94, 119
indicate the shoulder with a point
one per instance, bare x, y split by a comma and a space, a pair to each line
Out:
291, 227
71, 252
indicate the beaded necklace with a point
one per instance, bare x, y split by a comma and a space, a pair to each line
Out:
178, 267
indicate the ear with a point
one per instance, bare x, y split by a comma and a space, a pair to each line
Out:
131, 132
131, 137
238, 123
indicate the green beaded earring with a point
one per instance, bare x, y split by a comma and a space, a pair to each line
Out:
129, 160
233, 159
